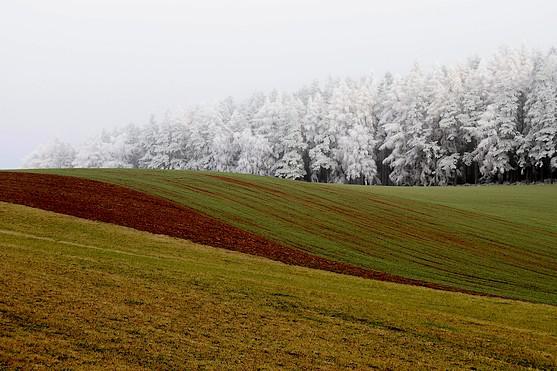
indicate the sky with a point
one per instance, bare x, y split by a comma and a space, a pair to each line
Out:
69, 68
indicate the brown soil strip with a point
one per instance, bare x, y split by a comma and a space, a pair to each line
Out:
123, 206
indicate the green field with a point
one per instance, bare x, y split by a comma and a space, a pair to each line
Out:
529, 205
499, 240
82, 294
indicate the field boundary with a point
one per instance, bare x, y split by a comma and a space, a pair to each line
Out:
114, 204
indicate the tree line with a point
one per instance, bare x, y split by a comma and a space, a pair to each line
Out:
492, 120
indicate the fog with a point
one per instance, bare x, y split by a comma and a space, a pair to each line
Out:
69, 68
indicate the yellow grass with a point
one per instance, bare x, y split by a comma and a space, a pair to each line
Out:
81, 294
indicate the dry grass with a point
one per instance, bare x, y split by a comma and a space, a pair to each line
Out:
79, 294
486, 239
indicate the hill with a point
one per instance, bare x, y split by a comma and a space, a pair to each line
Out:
83, 294
497, 240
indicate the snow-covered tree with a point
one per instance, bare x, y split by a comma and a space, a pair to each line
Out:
165, 145
291, 163
502, 125
539, 147
53, 155
255, 154
413, 156
320, 138
356, 150
440, 126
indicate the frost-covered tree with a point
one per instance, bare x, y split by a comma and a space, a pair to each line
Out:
356, 155
321, 140
356, 134
445, 125
255, 154
472, 105
413, 155
203, 126
164, 145
384, 111
109, 150
53, 155
134, 151
502, 125
312, 124
539, 147
290, 163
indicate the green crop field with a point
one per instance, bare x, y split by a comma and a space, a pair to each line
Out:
83, 294
499, 240
529, 205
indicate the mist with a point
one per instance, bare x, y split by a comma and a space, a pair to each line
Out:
69, 69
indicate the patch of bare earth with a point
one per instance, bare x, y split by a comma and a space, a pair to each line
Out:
123, 206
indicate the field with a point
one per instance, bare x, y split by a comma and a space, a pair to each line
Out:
498, 240
83, 294
180, 269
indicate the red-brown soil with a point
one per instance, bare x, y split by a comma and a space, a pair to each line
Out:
119, 205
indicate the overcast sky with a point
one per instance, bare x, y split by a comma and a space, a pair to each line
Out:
71, 67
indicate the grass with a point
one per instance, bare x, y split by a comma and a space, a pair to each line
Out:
82, 294
495, 239
532, 205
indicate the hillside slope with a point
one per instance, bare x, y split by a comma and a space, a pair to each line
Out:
376, 228
82, 294
532, 205
110, 203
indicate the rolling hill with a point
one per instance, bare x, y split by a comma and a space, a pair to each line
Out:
76, 293
496, 240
